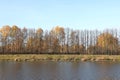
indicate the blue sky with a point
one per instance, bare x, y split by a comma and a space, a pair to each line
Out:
75, 14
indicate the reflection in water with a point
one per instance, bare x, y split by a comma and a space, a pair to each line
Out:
48, 70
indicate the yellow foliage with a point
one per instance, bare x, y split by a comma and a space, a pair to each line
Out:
39, 31
58, 30
15, 30
106, 40
30, 42
5, 30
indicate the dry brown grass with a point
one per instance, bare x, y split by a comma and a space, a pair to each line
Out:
38, 57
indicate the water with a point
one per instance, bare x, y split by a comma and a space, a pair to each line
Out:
50, 70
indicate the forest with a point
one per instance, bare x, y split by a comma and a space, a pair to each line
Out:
58, 40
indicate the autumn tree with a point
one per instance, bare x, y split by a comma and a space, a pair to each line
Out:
31, 42
58, 33
58, 40
46, 44
16, 39
5, 34
74, 41
24, 38
107, 42
66, 45
81, 49
39, 40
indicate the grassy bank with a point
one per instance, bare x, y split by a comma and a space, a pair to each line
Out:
35, 57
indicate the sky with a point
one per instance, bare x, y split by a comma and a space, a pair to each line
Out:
74, 14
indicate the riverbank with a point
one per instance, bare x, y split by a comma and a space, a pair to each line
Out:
40, 57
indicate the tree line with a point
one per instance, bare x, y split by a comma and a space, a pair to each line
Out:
59, 40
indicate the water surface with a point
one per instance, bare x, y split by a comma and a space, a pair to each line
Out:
50, 70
